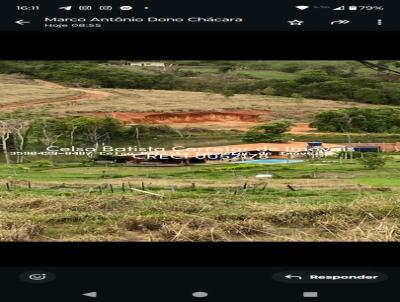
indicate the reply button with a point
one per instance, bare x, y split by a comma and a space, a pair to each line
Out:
332, 277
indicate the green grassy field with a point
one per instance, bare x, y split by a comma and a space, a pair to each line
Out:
332, 201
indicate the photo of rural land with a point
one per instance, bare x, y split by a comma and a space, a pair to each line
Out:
178, 151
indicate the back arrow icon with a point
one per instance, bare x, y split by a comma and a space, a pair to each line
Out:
22, 22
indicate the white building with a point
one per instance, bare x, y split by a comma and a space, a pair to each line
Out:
148, 64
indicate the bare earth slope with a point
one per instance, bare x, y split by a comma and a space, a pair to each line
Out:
174, 108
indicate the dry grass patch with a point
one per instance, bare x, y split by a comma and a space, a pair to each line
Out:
19, 231
23, 93
133, 100
220, 217
15, 79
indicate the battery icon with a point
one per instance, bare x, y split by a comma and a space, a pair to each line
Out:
353, 7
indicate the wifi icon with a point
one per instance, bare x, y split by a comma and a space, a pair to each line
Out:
302, 7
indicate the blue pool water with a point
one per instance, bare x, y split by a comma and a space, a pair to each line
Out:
271, 161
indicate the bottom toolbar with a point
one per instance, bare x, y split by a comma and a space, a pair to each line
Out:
199, 284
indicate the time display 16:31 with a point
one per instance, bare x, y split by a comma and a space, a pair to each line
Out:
27, 8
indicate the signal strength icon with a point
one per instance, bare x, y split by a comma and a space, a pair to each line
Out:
302, 7
340, 8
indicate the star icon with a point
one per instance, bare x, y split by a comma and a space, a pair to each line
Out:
296, 22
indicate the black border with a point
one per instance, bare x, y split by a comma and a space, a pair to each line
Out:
199, 45
200, 254
204, 45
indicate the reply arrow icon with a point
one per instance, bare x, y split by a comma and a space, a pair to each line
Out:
290, 277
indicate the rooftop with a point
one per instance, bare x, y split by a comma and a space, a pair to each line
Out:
290, 147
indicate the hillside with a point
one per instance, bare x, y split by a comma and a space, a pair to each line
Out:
174, 108
328, 80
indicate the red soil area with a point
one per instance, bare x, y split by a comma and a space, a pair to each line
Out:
229, 119
187, 117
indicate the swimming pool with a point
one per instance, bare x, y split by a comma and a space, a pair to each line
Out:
270, 161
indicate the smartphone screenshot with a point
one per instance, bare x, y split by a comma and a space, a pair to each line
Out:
199, 151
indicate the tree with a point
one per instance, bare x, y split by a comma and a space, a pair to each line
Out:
71, 127
381, 66
273, 132
17, 124
20, 127
313, 76
373, 160
375, 120
226, 68
48, 130
93, 129
227, 93
5, 133
15, 130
